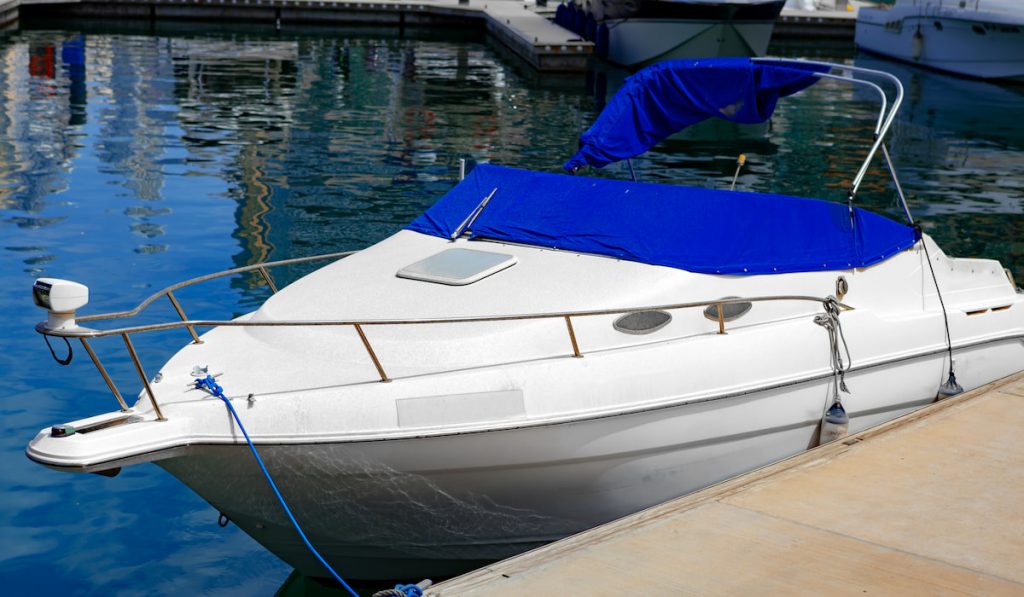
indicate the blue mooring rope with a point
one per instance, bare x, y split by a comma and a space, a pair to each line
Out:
210, 384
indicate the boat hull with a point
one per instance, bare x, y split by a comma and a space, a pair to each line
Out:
496, 437
437, 506
634, 34
636, 42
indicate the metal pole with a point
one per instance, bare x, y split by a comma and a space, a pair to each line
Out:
181, 314
721, 319
230, 272
106, 376
462, 168
373, 355
142, 376
572, 338
899, 187
886, 118
266, 278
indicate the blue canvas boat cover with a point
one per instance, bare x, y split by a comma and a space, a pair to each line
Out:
669, 96
698, 230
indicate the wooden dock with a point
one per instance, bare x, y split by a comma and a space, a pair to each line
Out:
929, 504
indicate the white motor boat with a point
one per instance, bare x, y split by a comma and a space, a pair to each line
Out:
540, 353
974, 38
634, 33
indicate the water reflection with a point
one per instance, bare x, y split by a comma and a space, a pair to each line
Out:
130, 160
959, 146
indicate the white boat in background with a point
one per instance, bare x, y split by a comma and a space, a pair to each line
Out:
634, 33
974, 38
541, 353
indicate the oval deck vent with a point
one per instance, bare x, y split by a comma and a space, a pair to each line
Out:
730, 311
642, 322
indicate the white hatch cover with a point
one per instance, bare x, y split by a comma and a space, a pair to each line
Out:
457, 267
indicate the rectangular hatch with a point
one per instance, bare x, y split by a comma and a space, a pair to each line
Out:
457, 267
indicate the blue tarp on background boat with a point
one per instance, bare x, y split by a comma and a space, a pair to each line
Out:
698, 230
669, 96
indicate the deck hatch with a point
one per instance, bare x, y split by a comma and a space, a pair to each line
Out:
457, 267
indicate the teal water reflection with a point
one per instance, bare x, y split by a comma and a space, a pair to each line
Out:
131, 159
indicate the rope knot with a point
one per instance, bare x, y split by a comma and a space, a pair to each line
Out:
830, 321
210, 384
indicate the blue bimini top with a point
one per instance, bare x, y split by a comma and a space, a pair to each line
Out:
669, 96
693, 229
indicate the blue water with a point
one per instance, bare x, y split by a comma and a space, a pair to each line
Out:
131, 159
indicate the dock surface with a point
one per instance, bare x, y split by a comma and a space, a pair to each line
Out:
929, 504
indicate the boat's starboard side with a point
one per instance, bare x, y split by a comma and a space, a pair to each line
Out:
320, 386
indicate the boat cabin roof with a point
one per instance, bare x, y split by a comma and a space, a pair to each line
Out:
693, 229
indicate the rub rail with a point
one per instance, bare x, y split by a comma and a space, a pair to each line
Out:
84, 334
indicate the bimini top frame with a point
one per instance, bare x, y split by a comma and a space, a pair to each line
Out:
669, 96
886, 115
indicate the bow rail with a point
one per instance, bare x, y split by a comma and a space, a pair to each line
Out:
84, 334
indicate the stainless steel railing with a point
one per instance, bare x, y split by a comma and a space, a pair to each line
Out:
83, 334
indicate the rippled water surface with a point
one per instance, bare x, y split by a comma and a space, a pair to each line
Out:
133, 159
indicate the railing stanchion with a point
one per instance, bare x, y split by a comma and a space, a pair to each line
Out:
721, 318
572, 338
106, 376
266, 278
142, 376
181, 314
373, 356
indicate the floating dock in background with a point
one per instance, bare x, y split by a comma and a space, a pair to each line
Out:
931, 503
544, 45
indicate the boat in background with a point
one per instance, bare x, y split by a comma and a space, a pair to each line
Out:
973, 38
634, 33
540, 353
